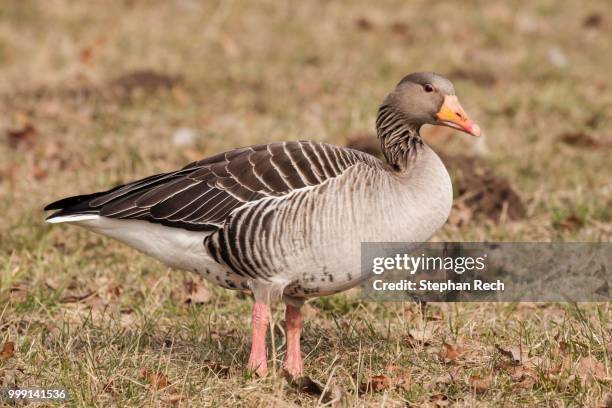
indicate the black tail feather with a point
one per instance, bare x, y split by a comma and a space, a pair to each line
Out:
68, 202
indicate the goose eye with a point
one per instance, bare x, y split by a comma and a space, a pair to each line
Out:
428, 88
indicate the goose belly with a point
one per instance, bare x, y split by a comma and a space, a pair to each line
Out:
175, 247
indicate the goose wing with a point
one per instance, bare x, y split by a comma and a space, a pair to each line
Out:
201, 195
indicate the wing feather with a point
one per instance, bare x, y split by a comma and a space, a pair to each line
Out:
201, 195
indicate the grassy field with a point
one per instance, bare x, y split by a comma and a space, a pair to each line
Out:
115, 328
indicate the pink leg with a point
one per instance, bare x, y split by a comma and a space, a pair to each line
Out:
258, 360
293, 326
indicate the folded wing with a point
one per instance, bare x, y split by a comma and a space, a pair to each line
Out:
201, 195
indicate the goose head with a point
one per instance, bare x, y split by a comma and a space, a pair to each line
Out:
428, 98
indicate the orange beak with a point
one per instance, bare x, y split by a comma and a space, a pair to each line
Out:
451, 114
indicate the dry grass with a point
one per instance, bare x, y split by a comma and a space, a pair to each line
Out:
89, 314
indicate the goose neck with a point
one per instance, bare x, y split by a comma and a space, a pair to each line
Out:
399, 139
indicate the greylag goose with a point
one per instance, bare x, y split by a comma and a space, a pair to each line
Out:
285, 220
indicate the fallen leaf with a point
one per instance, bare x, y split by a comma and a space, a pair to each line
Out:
8, 351
156, 380
592, 20
376, 383
439, 400
364, 24
579, 139
589, 368
451, 352
22, 137
480, 384
399, 28
86, 56
174, 398
571, 223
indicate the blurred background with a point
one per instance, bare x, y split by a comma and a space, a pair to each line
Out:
94, 94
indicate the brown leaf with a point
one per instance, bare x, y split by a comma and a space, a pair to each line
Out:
592, 20
580, 139
156, 380
8, 351
589, 368
376, 383
86, 56
22, 137
399, 28
174, 398
480, 384
439, 400
451, 352
364, 24
572, 222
